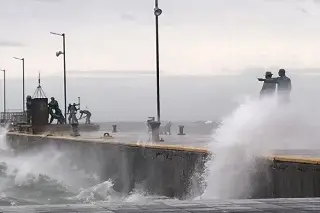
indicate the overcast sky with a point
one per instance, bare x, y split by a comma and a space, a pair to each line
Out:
197, 37
111, 38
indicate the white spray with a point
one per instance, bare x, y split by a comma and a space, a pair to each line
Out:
254, 129
28, 170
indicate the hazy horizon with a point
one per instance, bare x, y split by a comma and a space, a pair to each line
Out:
133, 97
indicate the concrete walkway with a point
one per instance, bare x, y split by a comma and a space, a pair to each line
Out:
237, 206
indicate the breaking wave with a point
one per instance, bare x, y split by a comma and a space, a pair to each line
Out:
256, 128
49, 177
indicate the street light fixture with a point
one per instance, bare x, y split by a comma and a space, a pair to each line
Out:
4, 94
157, 13
22, 59
64, 69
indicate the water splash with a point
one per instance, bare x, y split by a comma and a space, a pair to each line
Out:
48, 176
256, 128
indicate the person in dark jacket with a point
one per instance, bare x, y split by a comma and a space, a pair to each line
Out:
267, 87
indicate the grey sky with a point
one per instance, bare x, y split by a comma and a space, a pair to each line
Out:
197, 37
108, 39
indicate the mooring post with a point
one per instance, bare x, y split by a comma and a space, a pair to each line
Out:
181, 127
114, 128
155, 126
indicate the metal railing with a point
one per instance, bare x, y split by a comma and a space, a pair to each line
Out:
13, 117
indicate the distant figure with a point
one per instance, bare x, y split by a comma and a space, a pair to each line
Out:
28, 106
87, 115
268, 88
283, 84
73, 112
69, 117
53, 104
166, 129
150, 119
55, 112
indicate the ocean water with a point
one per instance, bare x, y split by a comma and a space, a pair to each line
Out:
49, 176
255, 128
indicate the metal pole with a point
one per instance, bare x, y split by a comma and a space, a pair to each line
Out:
23, 101
4, 93
157, 62
64, 76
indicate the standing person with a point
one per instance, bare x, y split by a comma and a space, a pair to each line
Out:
268, 88
283, 84
73, 112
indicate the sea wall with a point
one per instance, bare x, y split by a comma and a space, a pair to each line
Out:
295, 177
157, 169
173, 171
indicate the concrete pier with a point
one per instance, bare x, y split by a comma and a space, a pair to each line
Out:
157, 169
203, 206
175, 171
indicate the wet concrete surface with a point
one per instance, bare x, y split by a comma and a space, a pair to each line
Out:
240, 206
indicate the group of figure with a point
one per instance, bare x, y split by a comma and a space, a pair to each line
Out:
56, 113
282, 83
72, 111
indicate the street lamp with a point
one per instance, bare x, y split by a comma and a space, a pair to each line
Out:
22, 59
64, 69
4, 93
157, 13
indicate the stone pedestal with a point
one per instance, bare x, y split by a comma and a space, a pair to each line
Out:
181, 127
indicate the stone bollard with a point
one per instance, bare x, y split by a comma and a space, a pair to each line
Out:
114, 128
75, 131
181, 127
155, 126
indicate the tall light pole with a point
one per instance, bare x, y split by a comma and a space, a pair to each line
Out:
157, 13
4, 93
22, 59
64, 69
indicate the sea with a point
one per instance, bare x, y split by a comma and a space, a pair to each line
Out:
257, 127
49, 177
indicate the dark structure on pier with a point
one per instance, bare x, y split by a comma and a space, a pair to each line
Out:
35, 119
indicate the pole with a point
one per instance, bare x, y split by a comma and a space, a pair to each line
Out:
157, 62
23, 85
4, 93
64, 75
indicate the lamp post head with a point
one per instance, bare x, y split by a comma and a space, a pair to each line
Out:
21, 59
59, 53
157, 11
58, 34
